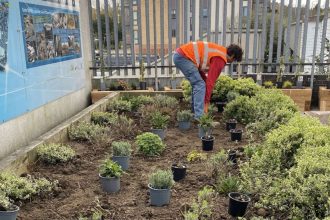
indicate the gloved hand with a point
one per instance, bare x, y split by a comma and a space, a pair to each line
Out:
206, 108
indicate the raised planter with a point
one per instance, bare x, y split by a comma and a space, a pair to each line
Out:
301, 97
324, 98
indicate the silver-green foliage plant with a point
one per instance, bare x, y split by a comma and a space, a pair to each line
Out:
226, 184
218, 163
123, 126
164, 101
138, 101
290, 173
161, 179
110, 169
22, 188
121, 148
158, 120
184, 115
104, 118
201, 209
86, 132
119, 106
150, 144
5, 204
55, 153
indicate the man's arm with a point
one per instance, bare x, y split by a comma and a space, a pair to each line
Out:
216, 65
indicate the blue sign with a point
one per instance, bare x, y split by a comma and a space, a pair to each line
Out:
40, 54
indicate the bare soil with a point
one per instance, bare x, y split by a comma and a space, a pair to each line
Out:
80, 192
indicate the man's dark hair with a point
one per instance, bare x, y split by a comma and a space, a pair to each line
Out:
235, 50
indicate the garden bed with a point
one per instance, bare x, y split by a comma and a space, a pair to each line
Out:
80, 191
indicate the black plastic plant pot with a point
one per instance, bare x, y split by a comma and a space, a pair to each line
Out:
238, 203
207, 143
232, 156
221, 106
328, 84
179, 171
279, 85
231, 124
236, 134
143, 85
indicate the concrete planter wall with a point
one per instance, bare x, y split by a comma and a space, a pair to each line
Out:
324, 98
301, 97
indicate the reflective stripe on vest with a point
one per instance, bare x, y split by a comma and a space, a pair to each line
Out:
196, 53
207, 50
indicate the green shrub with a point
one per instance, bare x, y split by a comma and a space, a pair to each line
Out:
206, 122
212, 109
22, 188
227, 184
287, 85
138, 101
196, 156
104, 118
150, 144
124, 127
163, 101
86, 132
184, 115
268, 84
232, 95
5, 204
223, 85
110, 169
158, 120
250, 150
120, 106
121, 148
161, 179
243, 109
186, 87
218, 163
55, 153
202, 207
246, 87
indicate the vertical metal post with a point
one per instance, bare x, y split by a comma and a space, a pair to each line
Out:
232, 21
193, 19
162, 34
315, 41
115, 29
288, 36
140, 32
280, 32
255, 35
271, 36
155, 41
324, 31
123, 27
107, 29
170, 35
224, 24
99, 31
305, 31
178, 37
132, 36
297, 37
263, 35
147, 12
240, 21
185, 20
216, 23
200, 19
247, 42
209, 20
91, 35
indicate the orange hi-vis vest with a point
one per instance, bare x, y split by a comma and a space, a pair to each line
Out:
200, 53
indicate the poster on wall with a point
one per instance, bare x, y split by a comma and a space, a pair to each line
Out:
62, 2
50, 34
4, 10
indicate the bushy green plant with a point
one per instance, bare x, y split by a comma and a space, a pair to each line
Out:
250, 150
110, 169
202, 207
124, 127
206, 122
86, 132
4, 202
243, 109
223, 85
218, 163
226, 184
184, 115
287, 85
141, 100
196, 156
150, 144
164, 101
119, 106
104, 118
232, 95
212, 109
268, 84
22, 188
158, 120
161, 179
121, 148
186, 87
246, 87
55, 153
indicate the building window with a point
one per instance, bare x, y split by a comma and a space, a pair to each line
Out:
205, 12
173, 13
136, 37
135, 17
245, 11
134, 2
173, 33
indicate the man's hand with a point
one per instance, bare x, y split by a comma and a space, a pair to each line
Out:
206, 107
